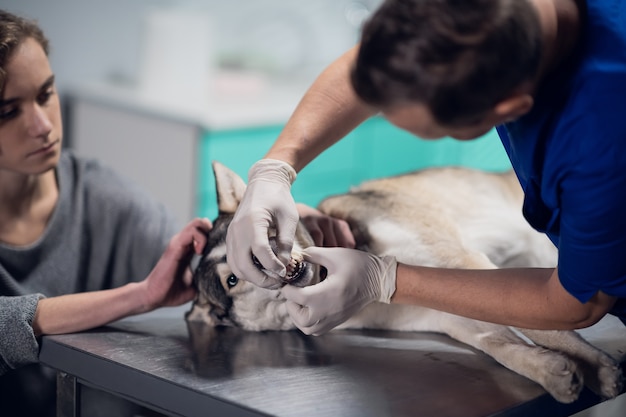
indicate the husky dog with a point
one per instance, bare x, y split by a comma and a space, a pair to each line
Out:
442, 217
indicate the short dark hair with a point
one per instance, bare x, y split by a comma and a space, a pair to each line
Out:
13, 31
457, 57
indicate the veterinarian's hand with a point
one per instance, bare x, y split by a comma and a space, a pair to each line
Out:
267, 204
326, 230
169, 282
355, 279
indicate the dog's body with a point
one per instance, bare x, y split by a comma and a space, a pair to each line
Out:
443, 217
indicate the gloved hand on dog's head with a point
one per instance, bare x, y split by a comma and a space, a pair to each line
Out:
355, 279
267, 203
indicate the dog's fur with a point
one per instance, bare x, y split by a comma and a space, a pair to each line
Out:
443, 217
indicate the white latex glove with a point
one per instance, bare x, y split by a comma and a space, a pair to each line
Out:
266, 205
355, 279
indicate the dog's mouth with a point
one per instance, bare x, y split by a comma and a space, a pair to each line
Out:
298, 269
295, 269
299, 272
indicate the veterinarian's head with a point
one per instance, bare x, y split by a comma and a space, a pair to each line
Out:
449, 68
30, 116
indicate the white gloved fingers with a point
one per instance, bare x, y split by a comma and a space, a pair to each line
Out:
250, 272
321, 327
269, 262
285, 235
299, 296
267, 204
302, 310
355, 279
240, 260
318, 308
303, 320
286, 232
300, 316
326, 257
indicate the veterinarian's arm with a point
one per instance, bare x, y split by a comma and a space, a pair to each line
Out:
524, 297
168, 284
327, 112
527, 297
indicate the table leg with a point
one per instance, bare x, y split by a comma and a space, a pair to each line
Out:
68, 395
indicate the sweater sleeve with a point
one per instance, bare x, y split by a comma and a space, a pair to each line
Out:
18, 345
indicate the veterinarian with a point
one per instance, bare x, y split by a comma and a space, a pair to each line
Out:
80, 246
550, 74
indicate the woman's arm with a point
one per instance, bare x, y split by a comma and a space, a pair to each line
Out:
325, 230
168, 284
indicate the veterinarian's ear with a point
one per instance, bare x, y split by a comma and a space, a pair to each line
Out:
513, 107
230, 188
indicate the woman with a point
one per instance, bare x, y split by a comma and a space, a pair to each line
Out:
76, 240
68, 225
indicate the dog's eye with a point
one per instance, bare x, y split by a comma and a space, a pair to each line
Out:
231, 281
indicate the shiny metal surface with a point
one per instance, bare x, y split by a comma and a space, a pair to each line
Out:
180, 369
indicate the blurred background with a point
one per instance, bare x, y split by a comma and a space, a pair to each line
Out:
103, 40
158, 89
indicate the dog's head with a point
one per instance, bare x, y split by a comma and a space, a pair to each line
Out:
227, 300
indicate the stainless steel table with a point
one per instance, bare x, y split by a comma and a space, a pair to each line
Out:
159, 361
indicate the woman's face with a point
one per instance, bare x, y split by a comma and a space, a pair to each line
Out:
30, 116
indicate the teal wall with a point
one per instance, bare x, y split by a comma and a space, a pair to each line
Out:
373, 150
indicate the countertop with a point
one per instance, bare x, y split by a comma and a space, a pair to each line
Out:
191, 369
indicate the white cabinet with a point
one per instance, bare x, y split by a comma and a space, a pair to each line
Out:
156, 152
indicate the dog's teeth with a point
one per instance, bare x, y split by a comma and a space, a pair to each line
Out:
293, 269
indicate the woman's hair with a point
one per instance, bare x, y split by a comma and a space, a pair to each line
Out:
457, 57
13, 31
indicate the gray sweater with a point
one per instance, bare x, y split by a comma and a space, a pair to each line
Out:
104, 232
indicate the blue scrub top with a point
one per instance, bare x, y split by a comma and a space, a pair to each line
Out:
569, 154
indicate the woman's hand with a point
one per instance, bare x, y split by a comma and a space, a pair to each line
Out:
326, 230
169, 282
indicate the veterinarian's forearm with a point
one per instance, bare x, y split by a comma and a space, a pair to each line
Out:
82, 311
328, 111
529, 298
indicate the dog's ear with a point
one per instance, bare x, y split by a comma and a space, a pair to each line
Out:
230, 188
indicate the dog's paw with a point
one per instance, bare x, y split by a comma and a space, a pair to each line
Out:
604, 377
563, 379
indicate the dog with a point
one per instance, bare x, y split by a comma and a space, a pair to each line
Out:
449, 217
